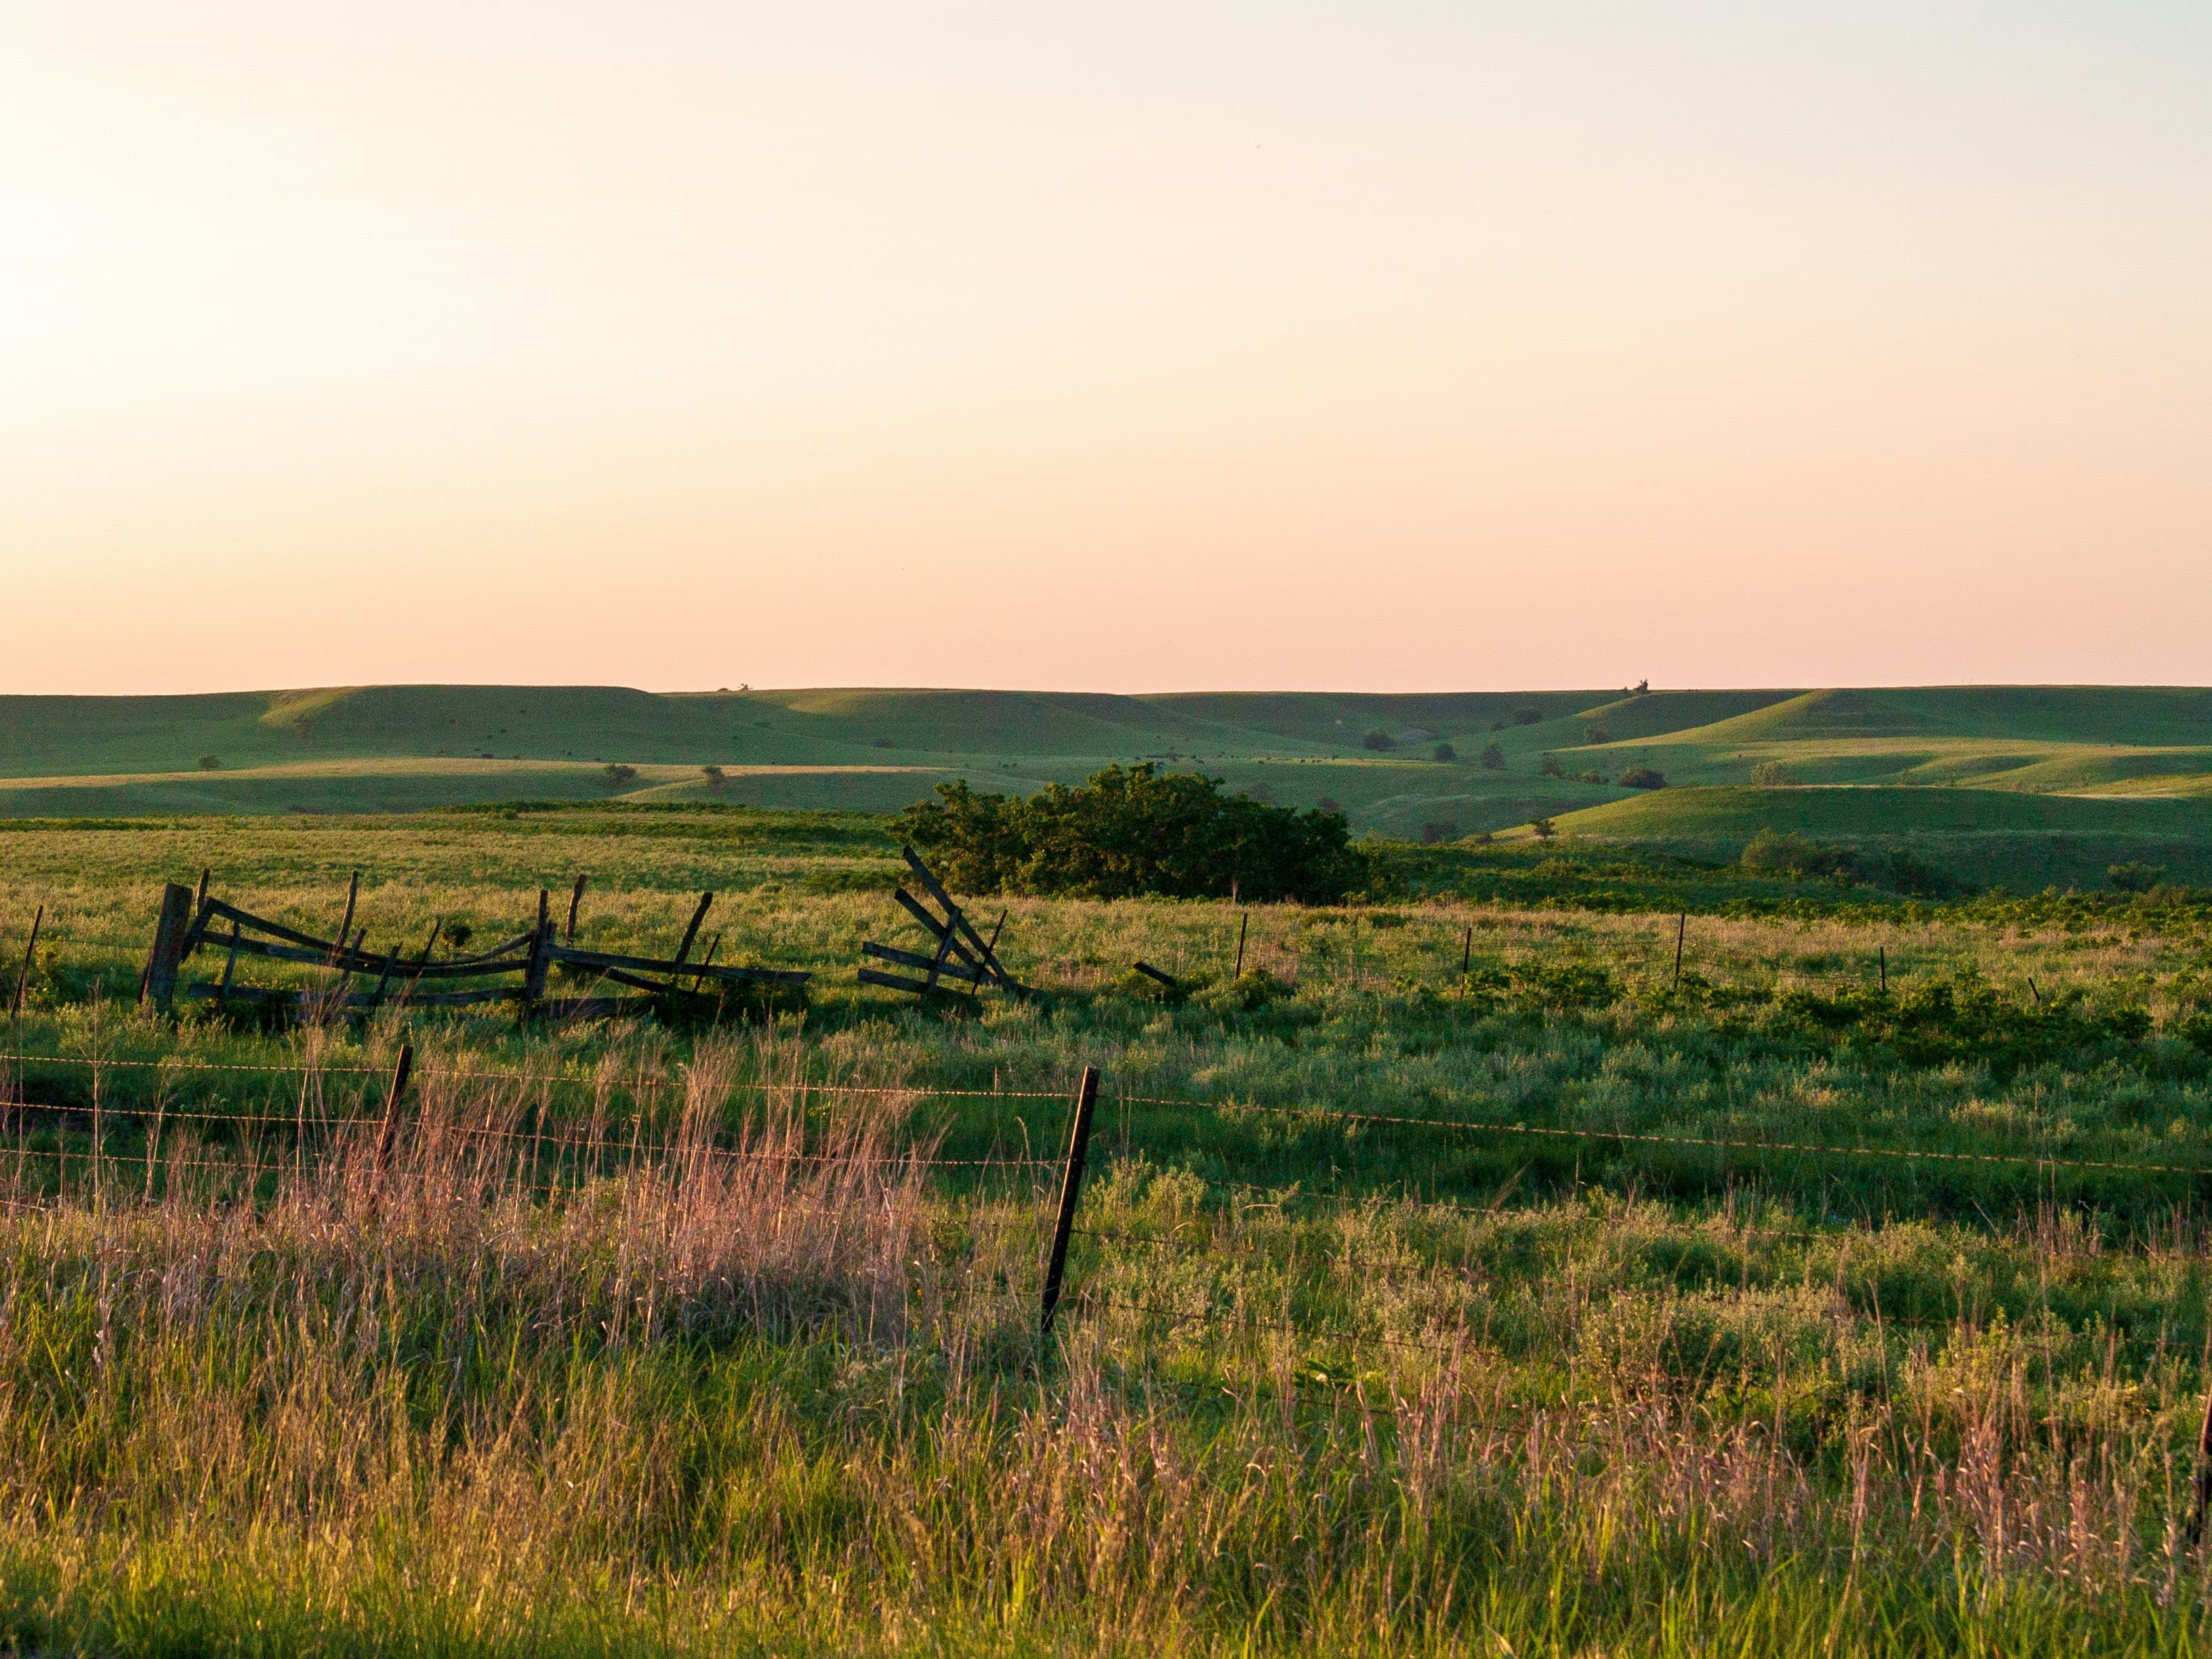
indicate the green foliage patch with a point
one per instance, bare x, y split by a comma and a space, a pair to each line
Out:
1133, 831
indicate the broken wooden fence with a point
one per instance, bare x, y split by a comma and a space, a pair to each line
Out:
366, 980
964, 957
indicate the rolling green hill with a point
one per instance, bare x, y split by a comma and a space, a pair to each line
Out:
2099, 770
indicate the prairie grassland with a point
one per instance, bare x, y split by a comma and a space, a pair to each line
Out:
1656, 1329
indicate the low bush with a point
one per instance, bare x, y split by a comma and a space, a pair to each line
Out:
1597, 734
210, 763
1431, 834
714, 776
1378, 740
1773, 774
1528, 716
1642, 777
2133, 878
1787, 853
1444, 751
619, 776
1131, 831
1493, 757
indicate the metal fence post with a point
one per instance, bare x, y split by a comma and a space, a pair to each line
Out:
1071, 1188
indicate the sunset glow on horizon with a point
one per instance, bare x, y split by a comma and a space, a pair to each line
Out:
1379, 348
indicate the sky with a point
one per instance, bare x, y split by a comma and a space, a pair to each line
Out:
1155, 346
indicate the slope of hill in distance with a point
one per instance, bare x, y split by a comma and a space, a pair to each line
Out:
2102, 763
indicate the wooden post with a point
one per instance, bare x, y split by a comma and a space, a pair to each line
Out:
391, 962
1467, 952
200, 899
23, 978
533, 976
684, 951
575, 900
158, 985
345, 926
390, 1130
229, 966
1243, 921
1881, 961
1071, 1188
2203, 1499
1681, 932
415, 978
705, 963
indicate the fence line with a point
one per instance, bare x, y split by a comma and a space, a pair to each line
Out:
451, 1075
1463, 1126
1474, 1127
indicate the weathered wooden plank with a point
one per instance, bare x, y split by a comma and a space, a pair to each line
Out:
911, 959
606, 959
158, 984
986, 955
541, 943
690, 933
345, 924
470, 970
870, 976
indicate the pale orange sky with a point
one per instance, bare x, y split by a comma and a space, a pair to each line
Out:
1387, 347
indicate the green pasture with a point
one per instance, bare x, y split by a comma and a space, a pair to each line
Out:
2012, 785
1571, 1248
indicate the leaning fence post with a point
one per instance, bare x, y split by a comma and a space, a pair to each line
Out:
160, 981
533, 975
2203, 1478
390, 1131
1681, 932
30, 953
1071, 1188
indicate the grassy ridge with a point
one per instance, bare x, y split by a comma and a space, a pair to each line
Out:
2017, 785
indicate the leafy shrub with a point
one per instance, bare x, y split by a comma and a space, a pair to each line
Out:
1597, 734
1543, 829
457, 935
714, 776
1133, 831
1378, 739
1528, 716
1444, 751
1962, 1017
210, 763
1789, 854
2133, 878
1328, 803
1494, 758
1773, 774
1552, 768
1433, 833
1642, 777
1786, 853
618, 775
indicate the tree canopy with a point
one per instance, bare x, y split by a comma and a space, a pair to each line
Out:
1132, 830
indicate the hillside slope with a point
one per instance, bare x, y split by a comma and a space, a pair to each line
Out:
1401, 764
